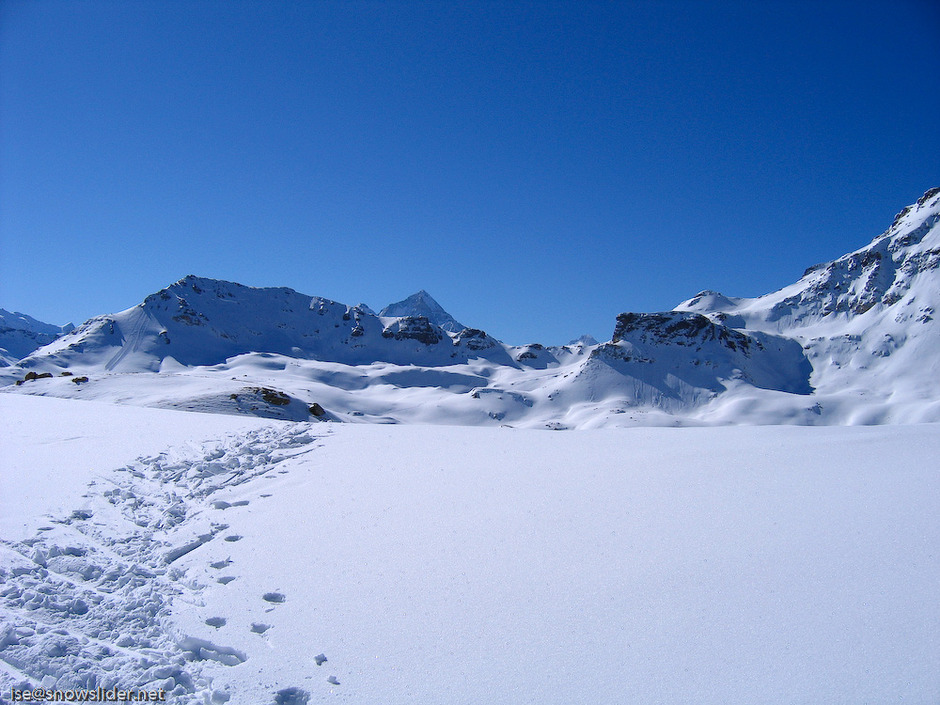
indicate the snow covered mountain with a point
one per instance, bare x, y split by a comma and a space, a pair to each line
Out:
854, 341
422, 304
199, 322
20, 335
866, 320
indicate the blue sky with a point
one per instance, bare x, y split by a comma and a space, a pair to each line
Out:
538, 167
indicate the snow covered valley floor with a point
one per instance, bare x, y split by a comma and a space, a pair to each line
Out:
220, 558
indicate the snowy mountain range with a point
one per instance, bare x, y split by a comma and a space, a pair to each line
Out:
854, 341
225, 558
20, 335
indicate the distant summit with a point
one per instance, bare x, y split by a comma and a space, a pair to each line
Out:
20, 335
423, 304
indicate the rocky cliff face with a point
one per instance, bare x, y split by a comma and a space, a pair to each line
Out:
678, 350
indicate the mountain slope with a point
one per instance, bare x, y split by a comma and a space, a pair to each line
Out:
897, 267
866, 320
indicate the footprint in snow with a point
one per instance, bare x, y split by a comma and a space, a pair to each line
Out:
226, 579
320, 659
233, 537
332, 680
274, 597
292, 696
259, 627
222, 504
218, 565
216, 622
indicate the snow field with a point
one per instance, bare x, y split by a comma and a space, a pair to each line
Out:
51, 449
299, 563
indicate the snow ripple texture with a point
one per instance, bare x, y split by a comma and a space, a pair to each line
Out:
87, 601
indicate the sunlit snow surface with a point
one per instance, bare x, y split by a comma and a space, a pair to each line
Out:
444, 564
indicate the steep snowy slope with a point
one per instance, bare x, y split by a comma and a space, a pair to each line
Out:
21, 335
866, 320
897, 267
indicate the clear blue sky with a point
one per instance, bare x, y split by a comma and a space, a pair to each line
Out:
538, 167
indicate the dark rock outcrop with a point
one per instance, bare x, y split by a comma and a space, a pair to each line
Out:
416, 328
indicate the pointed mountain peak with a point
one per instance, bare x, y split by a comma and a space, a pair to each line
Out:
421, 298
421, 303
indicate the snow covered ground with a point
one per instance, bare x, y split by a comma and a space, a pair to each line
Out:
439, 564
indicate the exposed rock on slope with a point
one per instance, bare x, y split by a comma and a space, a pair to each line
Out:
701, 353
888, 271
199, 321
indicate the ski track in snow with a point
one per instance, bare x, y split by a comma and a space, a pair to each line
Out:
87, 602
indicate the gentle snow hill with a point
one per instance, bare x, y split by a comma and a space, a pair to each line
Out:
780, 565
21, 335
854, 341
